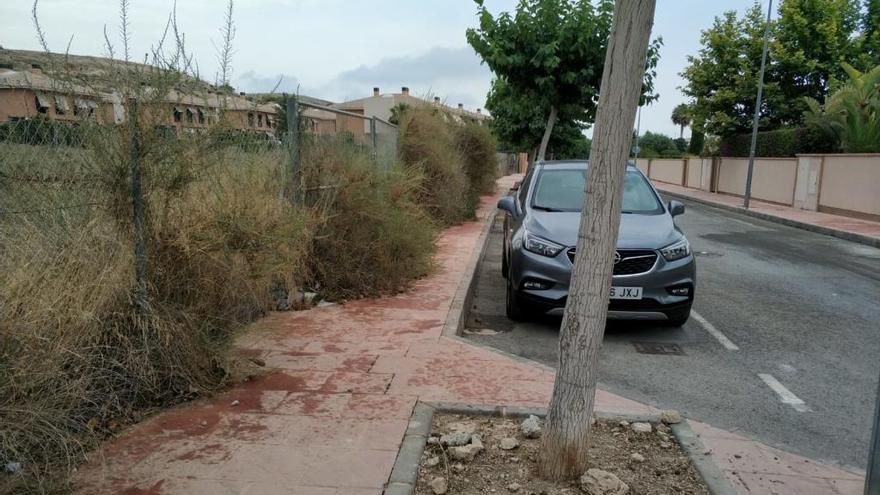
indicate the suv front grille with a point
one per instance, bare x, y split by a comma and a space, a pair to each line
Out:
632, 262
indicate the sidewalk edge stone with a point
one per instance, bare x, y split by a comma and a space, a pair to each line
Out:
710, 472
819, 229
464, 295
405, 472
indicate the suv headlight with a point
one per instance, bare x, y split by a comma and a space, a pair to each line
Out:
677, 250
541, 246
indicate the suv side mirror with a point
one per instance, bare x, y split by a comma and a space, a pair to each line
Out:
506, 203
676, 208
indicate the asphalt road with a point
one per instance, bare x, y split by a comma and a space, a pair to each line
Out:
802, 308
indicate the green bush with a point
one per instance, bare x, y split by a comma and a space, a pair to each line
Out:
478, 150
372, 237
778, 143
427, 143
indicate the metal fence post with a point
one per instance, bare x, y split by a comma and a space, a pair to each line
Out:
138, 207
293, 148
872, 476
374, 137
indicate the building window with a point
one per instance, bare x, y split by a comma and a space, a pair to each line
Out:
43, 103
61, 105
201, 116
84, 108
178, 114
259, 120
190, 116
250, 119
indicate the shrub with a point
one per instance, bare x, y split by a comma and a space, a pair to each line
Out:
478, 150
372, 238
427, 144
778, 143
77, 358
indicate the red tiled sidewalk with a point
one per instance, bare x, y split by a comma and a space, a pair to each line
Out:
829, 224
330, 416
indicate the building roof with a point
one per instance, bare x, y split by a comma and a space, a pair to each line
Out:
408, 99
37, 81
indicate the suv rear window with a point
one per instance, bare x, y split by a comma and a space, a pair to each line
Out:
563, 190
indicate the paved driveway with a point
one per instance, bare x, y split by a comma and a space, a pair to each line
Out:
786, 348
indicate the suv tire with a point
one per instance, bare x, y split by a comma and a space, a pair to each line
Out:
512, 305
677, 317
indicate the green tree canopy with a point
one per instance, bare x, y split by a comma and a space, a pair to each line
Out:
518, 125
809, 40
852, 113
549, 56
681, 116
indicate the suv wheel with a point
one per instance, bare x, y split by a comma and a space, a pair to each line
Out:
504, 263
512, 305
677, 318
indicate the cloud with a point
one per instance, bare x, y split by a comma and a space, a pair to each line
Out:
252, 82
454, 74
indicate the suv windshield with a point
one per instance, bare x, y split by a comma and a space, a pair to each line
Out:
563, 190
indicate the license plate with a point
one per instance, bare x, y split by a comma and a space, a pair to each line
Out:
626, 293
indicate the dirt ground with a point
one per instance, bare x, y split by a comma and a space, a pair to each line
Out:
664, 470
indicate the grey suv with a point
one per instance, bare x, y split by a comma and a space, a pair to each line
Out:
654, 270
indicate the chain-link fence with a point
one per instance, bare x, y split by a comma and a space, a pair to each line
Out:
374, 134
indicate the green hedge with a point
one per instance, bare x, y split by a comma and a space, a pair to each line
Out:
778, 143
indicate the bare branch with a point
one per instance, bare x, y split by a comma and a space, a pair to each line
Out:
224, 53
123, 28
275, 88
41, 37
107, 45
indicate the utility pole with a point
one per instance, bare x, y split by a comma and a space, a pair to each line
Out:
748, 194
636, 148
872, 476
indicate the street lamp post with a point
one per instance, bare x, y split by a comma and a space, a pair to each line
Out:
636, 148
748, 194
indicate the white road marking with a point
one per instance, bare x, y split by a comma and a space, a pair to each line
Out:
727, 343
784, 394
787, 368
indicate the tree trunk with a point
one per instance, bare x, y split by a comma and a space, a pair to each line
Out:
681, 132
564, 444
533, 155
551, 121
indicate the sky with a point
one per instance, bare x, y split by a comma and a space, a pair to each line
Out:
341, 49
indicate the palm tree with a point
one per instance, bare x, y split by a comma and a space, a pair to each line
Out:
681, 116
852, 113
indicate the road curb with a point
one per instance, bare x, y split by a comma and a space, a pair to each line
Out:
405, 473
840, 234
464, 295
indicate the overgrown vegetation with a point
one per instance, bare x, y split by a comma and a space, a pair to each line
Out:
446, 153
808, 41
850, 118
129, 257
372, 237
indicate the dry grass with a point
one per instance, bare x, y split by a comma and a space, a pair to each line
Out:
478, 149
77, 358
427, 144
374, 238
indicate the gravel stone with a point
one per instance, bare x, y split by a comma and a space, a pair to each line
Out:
600, 482
456, 439
670, 417
509, 443
641, 427
531, 427
438, 486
